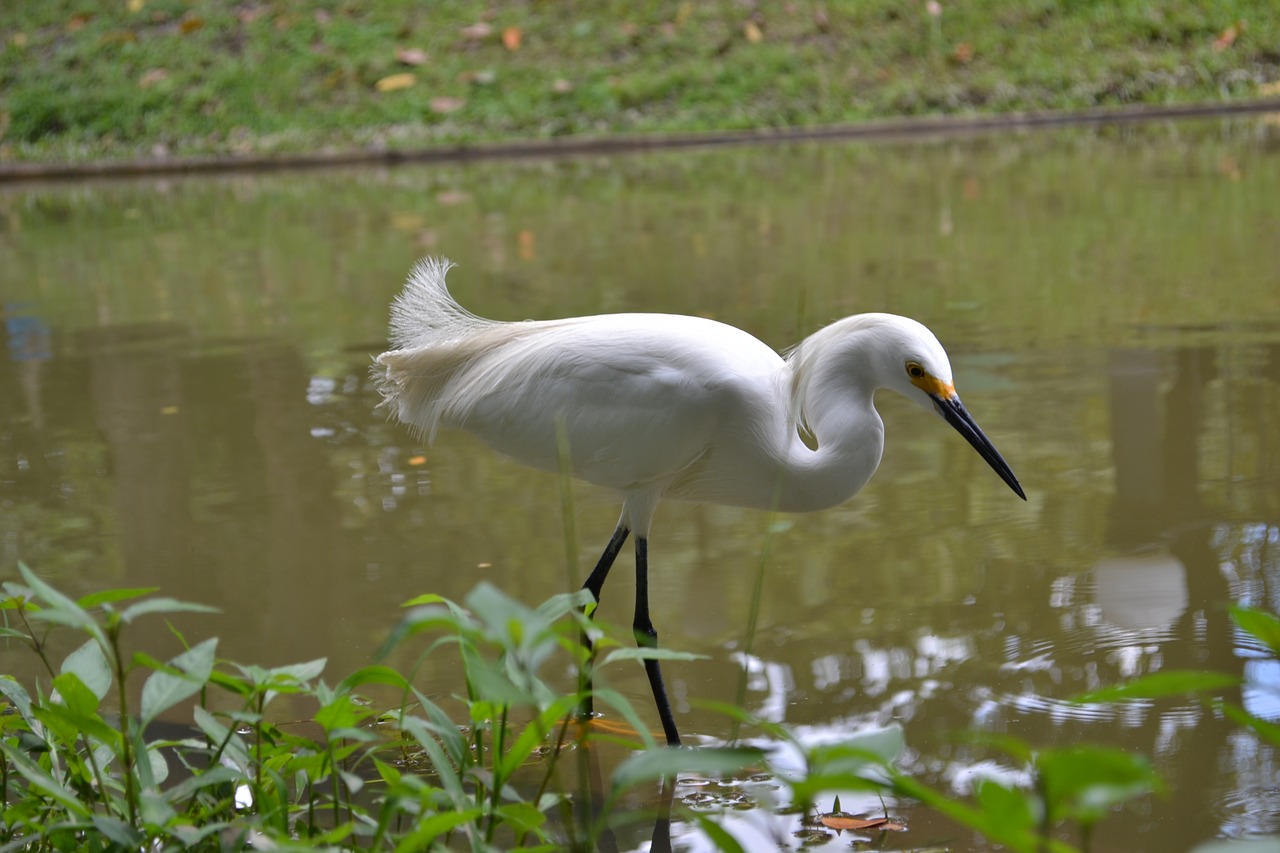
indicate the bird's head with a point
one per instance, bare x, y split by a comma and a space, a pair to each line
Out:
911, 361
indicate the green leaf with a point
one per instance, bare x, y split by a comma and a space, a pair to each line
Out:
643, 653
118, 831
163, 605
521, 816
1085, 782
110, 596
59, 608
376, 674
428, 598
431, 828
1268, 731
1161, 684
12, 690
220, 775
74, 695
1007, 806
38, 778
660, 763
164, 689
91, 666
1260, 624
720, 837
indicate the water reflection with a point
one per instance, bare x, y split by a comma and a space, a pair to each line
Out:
185, 404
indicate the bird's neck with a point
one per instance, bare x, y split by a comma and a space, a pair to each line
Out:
834, 405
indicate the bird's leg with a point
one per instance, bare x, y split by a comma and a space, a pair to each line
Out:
647, 635
595, 583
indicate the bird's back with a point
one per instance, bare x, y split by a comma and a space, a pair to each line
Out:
636, 397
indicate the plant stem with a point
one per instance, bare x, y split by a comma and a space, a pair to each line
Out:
126, 749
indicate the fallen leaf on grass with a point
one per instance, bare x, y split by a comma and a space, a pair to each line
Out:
190, 25
963, 53
136, 5
77, 22
1228, 36
511, 37
476, 32
412, 56
152, 77
561, 86
119, 37
445, 104
394, 82
527, 243
752, 31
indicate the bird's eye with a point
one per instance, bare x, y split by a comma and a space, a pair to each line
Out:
914, 370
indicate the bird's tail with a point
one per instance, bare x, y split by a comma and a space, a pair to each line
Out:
425, 313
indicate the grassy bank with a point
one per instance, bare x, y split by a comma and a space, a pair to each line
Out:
128, 78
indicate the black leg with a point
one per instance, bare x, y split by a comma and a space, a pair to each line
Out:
595, 583
646, 635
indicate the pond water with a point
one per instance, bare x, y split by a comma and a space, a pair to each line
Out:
185, 403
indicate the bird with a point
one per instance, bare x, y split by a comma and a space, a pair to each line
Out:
665, 406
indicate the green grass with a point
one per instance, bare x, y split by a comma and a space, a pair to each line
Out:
81, 80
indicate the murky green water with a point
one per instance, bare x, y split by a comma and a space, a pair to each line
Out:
184, 403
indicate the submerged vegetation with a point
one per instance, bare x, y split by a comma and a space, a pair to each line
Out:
167, 77
83, 767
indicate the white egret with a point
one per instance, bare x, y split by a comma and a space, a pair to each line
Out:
666, 406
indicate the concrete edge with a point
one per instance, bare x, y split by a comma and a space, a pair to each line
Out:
918, 127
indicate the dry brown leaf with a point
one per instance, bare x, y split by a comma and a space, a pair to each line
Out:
394, 82
119, 37
190, 25
752, 32
445, 104
1228, 36
511, 37
963, 53
412, 56
476, 32
151, 77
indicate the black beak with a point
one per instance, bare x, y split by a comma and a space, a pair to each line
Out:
958, 416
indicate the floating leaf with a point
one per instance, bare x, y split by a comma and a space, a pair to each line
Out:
841, 822
395, 82
511, 37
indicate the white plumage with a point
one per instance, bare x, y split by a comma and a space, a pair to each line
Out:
660, 405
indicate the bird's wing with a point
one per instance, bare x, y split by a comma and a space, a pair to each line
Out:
636, 399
